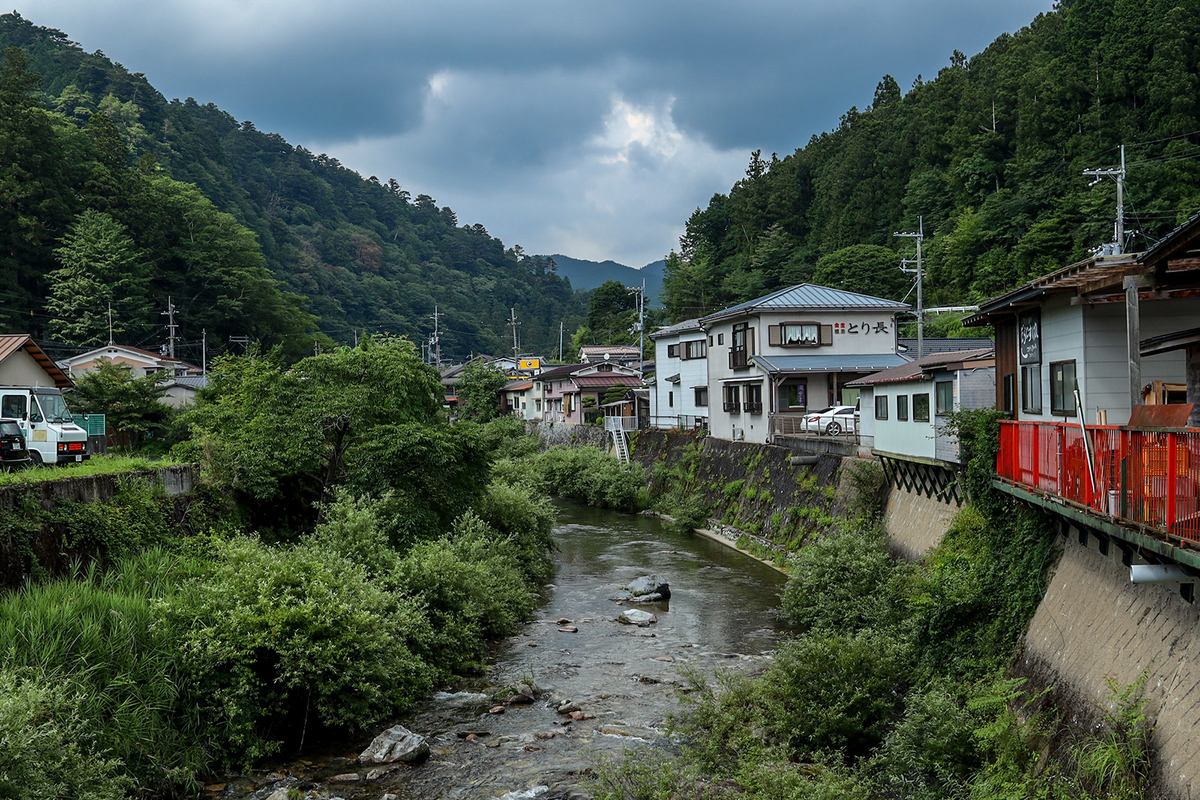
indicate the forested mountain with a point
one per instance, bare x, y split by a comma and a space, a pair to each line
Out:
990, 153
175, 190
584, 274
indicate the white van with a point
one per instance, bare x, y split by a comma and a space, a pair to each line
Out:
50, 434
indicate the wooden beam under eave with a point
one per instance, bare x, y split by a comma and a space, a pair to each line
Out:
1154, 294
1186, 264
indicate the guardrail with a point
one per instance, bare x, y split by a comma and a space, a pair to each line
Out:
680, 422
793, 425
1149, 478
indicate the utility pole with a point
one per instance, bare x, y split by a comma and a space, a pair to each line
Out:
110, 339
919, 271
1119, 173
171, 326
560, 341
512, 321
203, 351
436, 340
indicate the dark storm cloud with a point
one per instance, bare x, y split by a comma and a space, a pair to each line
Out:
540, 117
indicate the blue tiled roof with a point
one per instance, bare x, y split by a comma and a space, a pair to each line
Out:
807, 296
870, 362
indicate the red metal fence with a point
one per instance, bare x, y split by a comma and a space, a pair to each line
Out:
1148, 478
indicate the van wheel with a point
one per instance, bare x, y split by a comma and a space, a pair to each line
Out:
35, 458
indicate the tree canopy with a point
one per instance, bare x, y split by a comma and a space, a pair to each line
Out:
990, 154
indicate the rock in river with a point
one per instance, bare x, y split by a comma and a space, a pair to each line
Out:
396, 744
635, 616
649, 584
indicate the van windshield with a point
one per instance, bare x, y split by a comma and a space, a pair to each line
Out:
54, 408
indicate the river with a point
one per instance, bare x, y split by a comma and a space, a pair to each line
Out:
720, 615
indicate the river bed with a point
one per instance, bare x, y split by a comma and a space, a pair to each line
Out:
720, 615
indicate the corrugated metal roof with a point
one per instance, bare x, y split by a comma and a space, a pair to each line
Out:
943, 344
191, 381
915, 369
870, 362
604, 381
611, 349
807, 296
678, 327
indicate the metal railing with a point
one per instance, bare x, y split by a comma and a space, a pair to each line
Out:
620, 423
1149, 478
794, 425
680, 422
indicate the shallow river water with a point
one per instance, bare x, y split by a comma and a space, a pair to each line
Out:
719, 616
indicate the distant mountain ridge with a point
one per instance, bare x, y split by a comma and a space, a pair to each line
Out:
585, 274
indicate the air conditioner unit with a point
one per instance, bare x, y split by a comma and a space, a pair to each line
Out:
738, 434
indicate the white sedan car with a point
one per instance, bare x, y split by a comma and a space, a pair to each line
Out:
832, 421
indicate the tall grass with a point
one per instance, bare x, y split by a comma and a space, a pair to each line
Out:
96, 465
102, 638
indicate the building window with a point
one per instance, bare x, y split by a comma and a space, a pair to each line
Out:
799, 334
720, 338
902, 408
944, 393
1010, 383
537, 405
921, 407
733, 398
710, 340
797, 395
881, 407
1031, 388
670, 399
694, 349
672, 351
701, 398
1062, 388
753, 402
739, 346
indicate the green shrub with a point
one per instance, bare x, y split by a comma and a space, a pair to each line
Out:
589, 475
471, 588
526, 521
275, 633
47, 749
733, 489
845, 582
689, 512
104, 641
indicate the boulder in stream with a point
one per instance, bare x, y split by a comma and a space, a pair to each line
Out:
396, 744
635, 616
648, 585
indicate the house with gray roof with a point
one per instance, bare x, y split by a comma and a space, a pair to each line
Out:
773, 359
679, 386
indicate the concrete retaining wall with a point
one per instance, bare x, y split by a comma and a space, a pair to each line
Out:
29, 543
175, 480
915, 524
1094, 624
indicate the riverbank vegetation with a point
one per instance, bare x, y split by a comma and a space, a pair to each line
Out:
895, 683
348, 551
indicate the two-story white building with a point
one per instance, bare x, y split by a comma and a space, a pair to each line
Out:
679, 393
774, 358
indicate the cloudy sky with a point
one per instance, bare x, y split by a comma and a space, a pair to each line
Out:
584, 127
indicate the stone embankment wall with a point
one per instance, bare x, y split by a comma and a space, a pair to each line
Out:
22, 540
915, 524
1093, 626
560, 434
754, 488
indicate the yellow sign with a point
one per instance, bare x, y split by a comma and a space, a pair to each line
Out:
529, 363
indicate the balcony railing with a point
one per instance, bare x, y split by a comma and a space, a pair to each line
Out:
680, 422
752, 407
738, 357
793, 425
1140, 477
621, 423
732, 406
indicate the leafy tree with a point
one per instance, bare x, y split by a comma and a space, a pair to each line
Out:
864, 268
130, 405
103, 276
284, 438
478, 392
